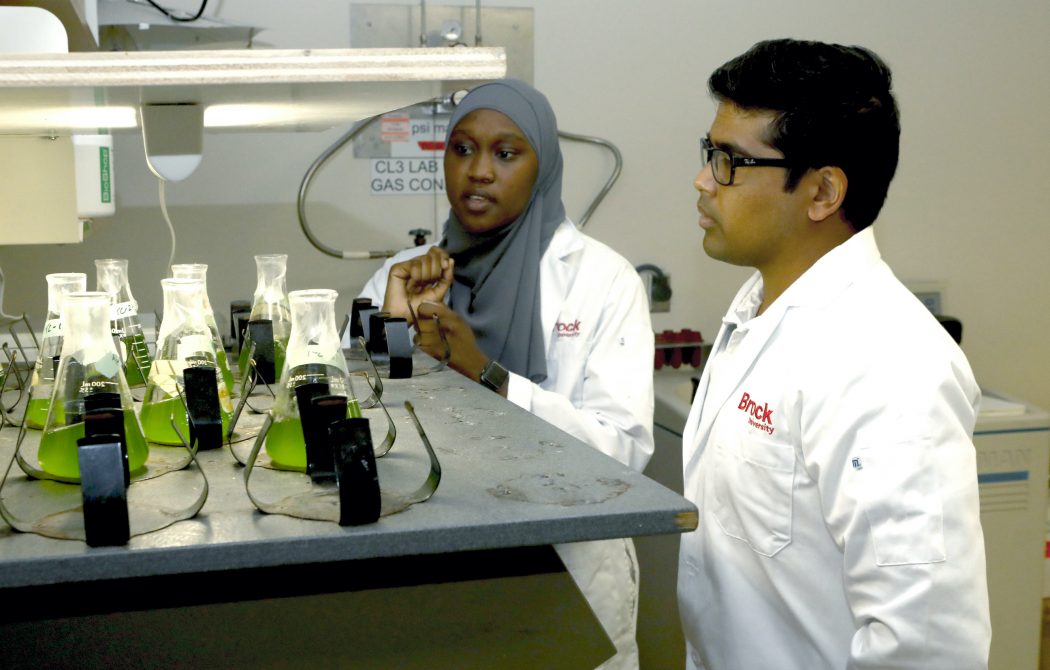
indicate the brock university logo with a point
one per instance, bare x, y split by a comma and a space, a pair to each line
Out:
568, 329
759, 416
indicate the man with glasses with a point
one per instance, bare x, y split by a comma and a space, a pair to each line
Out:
829, 448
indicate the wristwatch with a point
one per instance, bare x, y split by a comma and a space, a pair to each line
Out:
494, 376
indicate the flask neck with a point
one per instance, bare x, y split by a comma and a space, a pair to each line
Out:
87, 334
183, 307
58, 285
314, 338
112, 278
198, 271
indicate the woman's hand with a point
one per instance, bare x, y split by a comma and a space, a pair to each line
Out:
422, 279
464, 355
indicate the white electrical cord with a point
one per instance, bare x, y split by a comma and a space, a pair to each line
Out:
164, 210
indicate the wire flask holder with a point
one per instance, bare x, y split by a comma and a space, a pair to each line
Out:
91, 455
319, 459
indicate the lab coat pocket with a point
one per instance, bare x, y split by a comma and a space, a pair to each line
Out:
753, 493
902, 503
566, 366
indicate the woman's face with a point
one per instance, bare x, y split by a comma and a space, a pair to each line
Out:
490, 169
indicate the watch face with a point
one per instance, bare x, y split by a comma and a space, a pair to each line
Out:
494, 376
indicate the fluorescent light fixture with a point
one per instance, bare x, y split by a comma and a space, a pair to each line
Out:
67, 118
247, 116
252, 115
283, 115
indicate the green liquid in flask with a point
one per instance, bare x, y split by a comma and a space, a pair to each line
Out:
285, 443
242, 357
136, 355
224, 369
58, 448
36, 413
279, 350
156, 421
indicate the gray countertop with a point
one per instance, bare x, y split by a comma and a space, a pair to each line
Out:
509, 480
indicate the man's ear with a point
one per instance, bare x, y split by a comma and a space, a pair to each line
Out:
831, 191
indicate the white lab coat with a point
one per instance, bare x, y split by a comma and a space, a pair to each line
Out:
829, 450
599, 389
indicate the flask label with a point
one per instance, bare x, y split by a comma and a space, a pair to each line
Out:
313, 353
53, 328
123, 310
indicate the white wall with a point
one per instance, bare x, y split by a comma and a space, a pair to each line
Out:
967, 207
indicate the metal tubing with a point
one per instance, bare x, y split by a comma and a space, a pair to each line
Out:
305, 185
422, 23
617, 156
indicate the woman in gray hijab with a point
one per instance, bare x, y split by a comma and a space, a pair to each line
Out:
535, 310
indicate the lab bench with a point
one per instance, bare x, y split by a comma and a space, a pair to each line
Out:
466, 579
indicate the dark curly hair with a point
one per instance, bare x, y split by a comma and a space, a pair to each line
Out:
833, 107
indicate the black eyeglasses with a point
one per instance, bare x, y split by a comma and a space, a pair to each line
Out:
724, 164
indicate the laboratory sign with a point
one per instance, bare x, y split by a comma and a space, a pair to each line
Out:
415, 147
407, 176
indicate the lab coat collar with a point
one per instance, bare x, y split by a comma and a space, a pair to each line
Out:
559, 265
825, 279
834, 271
746, 304
822, 282
566, 241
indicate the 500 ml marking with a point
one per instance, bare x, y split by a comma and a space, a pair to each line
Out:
89, 386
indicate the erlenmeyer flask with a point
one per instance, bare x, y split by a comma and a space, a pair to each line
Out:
314, 355
200, 271
58, 285
89, 364
184, 340
112, 278
270, 302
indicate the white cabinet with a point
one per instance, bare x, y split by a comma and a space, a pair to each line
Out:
1012, 453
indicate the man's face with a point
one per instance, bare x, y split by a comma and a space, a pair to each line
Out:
752, 222
490, 168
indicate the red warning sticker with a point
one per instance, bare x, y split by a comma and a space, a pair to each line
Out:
395, 128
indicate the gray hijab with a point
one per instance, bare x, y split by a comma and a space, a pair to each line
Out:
497, 274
